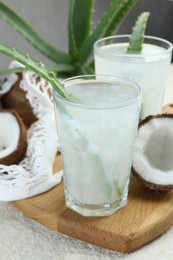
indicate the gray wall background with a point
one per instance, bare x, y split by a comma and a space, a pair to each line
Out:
49, 18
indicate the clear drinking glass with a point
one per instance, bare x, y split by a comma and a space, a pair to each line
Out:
149, 69
97, 129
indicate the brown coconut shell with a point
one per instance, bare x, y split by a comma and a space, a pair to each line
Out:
153, 186
17, 155
16, 99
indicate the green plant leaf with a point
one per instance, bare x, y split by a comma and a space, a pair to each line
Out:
79, 24
102, 28
83, 69
37, 67
119, 16
61, 67
14, 70
137, 35
30, 35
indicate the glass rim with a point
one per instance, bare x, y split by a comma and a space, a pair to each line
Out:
123, 36
107, 78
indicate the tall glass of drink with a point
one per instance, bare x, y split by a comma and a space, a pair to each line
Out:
149, 68
97, 129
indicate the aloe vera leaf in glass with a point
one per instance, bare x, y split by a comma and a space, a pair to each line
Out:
136, 38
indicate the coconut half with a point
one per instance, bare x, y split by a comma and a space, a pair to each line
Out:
152, 160
13, 137
16, 99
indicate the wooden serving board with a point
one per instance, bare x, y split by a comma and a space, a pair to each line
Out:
147, 215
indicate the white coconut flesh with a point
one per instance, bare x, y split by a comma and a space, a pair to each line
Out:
9, 134
153, 151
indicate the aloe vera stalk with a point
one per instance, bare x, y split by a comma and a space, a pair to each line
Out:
37, 67
137, 35
120, 15
79, 24
14, 70
60, 67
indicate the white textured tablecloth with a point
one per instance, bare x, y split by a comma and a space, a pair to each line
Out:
25, 239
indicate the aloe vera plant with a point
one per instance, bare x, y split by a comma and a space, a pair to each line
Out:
135, 45
81, 36
77, 56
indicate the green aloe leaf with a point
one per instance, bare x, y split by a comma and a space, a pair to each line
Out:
14, 70
79, 24
37, 67
122, 11
57, 68
30, 35
102, 27
61, 67
84, 69
137, 35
